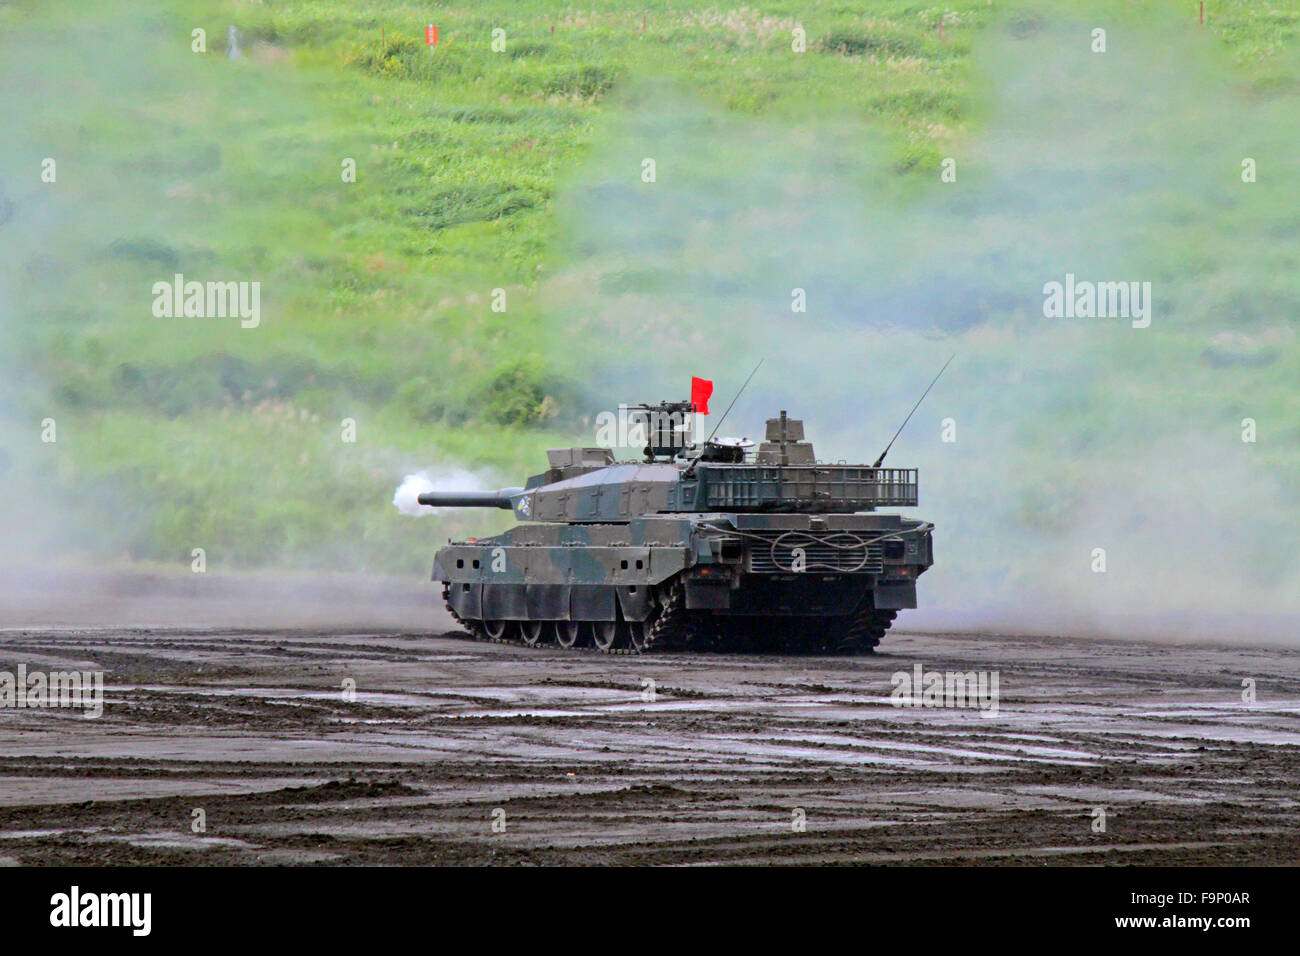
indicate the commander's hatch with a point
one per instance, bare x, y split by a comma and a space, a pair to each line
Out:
725, 451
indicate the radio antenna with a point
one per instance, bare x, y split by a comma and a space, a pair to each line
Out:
733, 402
881, 459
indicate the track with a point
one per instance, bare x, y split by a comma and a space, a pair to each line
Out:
665, 758
673, 627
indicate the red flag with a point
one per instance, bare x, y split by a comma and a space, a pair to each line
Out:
701, 389
431, 35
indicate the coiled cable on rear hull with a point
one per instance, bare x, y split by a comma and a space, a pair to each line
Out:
857, 542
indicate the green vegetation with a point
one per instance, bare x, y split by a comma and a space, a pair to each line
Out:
478, 171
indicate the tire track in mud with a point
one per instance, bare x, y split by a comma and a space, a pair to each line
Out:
733, 759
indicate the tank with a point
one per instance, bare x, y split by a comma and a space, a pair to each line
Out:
713, 545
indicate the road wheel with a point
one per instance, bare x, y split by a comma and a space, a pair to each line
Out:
535, 632
608, 635
638, 633
498, 630
570, 633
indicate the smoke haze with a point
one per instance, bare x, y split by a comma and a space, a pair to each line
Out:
1069, 435
406, 498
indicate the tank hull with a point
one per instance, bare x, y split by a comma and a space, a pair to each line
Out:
823, 582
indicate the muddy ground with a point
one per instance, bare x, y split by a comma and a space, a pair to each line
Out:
573, 762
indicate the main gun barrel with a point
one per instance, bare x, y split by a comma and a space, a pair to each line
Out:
469, 499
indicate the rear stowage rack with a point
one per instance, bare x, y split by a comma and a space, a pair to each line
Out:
832, 487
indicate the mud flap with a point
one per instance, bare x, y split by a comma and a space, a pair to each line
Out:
635, 602
466, 600
504, 602
701, 596
548, 602
592, 602
894, 597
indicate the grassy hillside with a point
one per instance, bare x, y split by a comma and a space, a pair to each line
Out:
479, 171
